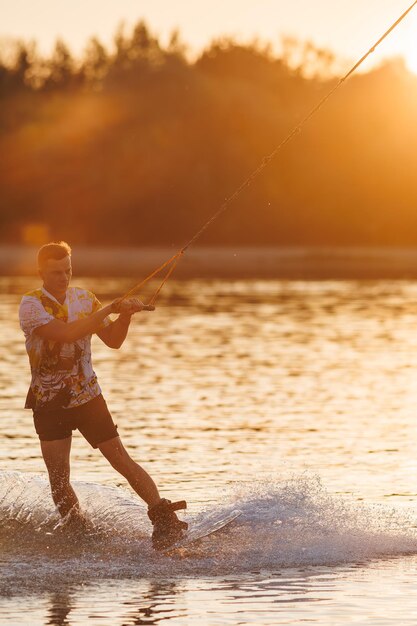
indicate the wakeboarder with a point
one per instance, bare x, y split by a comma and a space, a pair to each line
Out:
58, 322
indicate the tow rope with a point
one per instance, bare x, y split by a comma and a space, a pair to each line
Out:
172, 262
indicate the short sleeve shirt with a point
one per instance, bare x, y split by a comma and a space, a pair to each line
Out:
62, 373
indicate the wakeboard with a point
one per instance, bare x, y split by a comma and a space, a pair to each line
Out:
205, 528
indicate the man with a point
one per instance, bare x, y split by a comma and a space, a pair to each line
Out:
58, 322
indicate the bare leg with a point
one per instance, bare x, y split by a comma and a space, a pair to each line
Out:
56, 455
136, 476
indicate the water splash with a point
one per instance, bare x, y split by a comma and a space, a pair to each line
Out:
283, 524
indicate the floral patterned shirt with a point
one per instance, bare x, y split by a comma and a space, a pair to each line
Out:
62, 373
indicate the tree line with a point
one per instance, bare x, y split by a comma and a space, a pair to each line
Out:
139, 145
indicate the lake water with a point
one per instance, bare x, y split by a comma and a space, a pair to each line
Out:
295, 402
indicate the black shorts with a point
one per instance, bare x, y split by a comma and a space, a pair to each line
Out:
92, 419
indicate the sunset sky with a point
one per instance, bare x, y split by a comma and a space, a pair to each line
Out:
349, 27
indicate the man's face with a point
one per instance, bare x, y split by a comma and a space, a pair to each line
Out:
56, 275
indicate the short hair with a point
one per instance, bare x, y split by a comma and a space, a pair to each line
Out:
55, 250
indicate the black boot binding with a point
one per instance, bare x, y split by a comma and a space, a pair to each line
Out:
167, 528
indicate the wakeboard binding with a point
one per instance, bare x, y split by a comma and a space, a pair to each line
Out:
167, 528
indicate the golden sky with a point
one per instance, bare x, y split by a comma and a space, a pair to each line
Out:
347, 26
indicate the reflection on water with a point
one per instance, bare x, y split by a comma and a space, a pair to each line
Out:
355, 595
60, 606
245, 382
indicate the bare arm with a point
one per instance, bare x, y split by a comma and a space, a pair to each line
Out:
115, 334
68, 332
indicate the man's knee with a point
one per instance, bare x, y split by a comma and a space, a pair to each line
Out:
113, 450
122, 463
119, 458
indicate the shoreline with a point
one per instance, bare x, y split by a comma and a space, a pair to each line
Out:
229, 263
